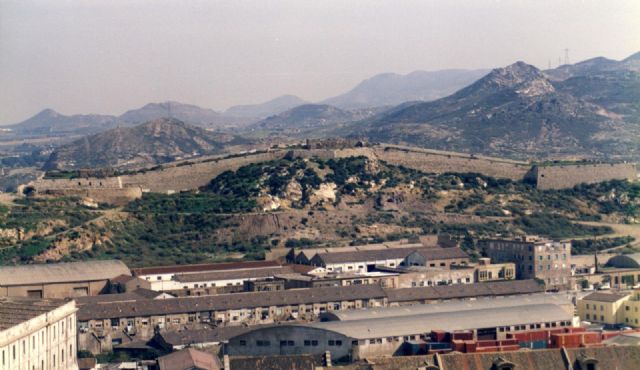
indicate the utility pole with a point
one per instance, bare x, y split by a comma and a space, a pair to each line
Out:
566, 55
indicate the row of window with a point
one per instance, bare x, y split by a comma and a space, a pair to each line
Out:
291, 343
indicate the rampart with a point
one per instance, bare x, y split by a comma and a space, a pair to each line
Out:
568, 176
433, 161
105, 190
174, 177
193, 175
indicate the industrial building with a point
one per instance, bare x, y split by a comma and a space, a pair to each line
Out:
535, 258
364, 261
37, 334
108, 321
59, 280
371, 337
167, 278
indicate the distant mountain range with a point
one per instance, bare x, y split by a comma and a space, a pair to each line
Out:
390, 89
518, 111
266, 109
157, 141
309, 120
50, 122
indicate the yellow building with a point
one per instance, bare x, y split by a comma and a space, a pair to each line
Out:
603, 308
631, 310
487, 271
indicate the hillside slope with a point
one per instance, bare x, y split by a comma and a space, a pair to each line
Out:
513, 111
156, 141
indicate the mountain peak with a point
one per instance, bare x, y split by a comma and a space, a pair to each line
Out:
47, 113
524, 78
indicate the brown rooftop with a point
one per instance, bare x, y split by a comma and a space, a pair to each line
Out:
146, 307
227, 301
464, 290
14, 310
188, 359
176, 269
430, 253
232, 274
605, 297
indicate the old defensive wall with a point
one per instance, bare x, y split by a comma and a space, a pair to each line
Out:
190, 175
105, 190
567, 176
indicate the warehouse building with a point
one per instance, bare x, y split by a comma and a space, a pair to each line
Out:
166, 278
59, 280
365, 261
37, 334
371, 337
107, 321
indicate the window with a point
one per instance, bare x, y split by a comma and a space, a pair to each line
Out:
307, 343
243, 342
314, 343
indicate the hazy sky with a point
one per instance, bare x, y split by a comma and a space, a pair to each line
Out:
94, 56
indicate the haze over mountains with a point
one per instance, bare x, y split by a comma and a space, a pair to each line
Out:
587, 109
518, 111
392, 89
156, 141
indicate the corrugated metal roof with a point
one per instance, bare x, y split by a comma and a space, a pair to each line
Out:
62, 272
447, 321
449, 306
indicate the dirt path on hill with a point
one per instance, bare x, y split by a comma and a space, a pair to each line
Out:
618, 230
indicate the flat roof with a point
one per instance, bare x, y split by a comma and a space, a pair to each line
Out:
16, 310
204, 267
447, 321
63, 272
448, 306
605, 297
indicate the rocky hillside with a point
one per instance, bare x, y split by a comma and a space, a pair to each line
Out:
390, 89
514, 111
187, 113
266, 109
156, 141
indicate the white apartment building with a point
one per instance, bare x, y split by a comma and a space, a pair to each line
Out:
37, 334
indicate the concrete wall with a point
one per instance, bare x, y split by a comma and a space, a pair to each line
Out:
46, 342
568, 176
289, 340
55, 290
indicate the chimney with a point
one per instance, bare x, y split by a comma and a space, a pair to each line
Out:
226, 362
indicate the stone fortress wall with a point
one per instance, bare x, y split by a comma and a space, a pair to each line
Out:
195, 174
568, 176
435, 161
105, 190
